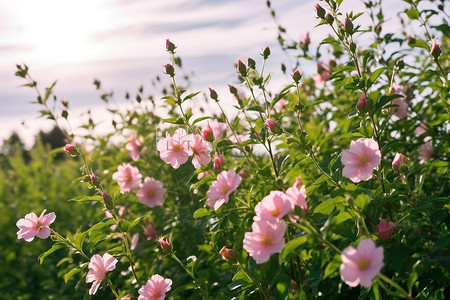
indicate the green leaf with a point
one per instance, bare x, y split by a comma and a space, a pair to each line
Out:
374, 76
327, 206
413, 14
351, 136
135, 222
332, 268
174, 120
55, 247
290, 247
79, 238
86, 198
201, 212
190, 96
188, 114
237, 284
385, 99
74, 271
104, 224
256, 108
48, 92
124, 225
362, 200
200, 119
441, 243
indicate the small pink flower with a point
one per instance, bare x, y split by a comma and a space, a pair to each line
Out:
435, 49
273, 126
273, 206
155, 288
426, 151
399, 160
361, 265
149, 231
175, 149
227, 253
200, 151
421, 129
207, 133
265, 239
385, 230
360, 160
32, 226
98, 267
134, 241
128, 177
71, 150
297, 197
151, 192
221, 189
399, 111
134, 145
165, 244
218, 161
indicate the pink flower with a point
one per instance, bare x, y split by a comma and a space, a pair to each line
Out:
218, 161
71, 150
361, 265
32, 226
128, 177
400, 110
200, 151
207, 133
134, 145
221, 189
149, 231
134, 241
266, 238
273, 206
297, 197
399, 160
218, 129
165, 244
155, 288
175, 149
278, 107
151, 192
227, 253
273, 126
385, 230
426, 151
98, 267
360, 160
421, 129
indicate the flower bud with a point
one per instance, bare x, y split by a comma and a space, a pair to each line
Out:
93, 179
283, 68
305, 40
64, 113
233, 90
297, 76
218, 161
348, 25
399, 161
107, 201
65, 103
329, 18
71, 150
213, 94
266, 52
352, 46
242, 68
400, 63
251, 63
298, 182
435, 49
273, 126
207, 133
166, 245
169, 70
385, 230
170, 47
320, 11
378, 29
362, 106
227, 254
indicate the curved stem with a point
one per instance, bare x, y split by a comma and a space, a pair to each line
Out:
403, 293
202, 289
255, 282
109, 283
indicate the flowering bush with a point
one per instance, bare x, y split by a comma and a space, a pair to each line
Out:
301, 193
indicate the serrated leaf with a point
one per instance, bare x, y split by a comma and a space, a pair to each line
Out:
55, 247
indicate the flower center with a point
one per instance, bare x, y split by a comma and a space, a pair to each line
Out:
176, 147
150, 193
275, 212
266, 241
363, 264
156, 294
224, 190
363, 160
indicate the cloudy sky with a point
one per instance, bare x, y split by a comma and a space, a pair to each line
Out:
122, 42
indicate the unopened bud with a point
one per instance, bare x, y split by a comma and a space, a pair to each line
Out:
242, 68
169, 70
283, 68
297, 76
65, 103
107, 201
320, 11
166, 245
273, 126
138, 98
232, 89
170, 47
352, 46
266, 52
435, 49
399, 161
64, 113
207, 133
93, 178
378, 29
218, 161
251, 63
362, 106
385, 230
348, 25
305, 40
213, 94
400, 63
329, 18
71, 150
227, 254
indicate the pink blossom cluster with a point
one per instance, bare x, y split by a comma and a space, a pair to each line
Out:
149, 192
268, 228
176, 150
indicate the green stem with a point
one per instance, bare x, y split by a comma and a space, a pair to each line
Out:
202, 289
255, 282
109, 283
403, 293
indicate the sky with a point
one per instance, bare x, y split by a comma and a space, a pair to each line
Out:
122, 43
